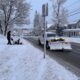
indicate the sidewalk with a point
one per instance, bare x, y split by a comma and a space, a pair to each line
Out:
25, 62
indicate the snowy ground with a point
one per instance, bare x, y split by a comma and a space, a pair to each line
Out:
25, 62
73, 39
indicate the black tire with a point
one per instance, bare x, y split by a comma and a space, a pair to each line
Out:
39, 42
47, 45
62, 50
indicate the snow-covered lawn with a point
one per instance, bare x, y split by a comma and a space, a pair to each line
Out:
25, 62
73, 39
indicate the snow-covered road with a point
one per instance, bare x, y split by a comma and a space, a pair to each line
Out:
25, 62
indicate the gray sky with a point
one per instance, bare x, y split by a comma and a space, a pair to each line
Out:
71, 5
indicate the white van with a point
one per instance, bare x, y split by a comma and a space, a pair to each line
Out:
54, 42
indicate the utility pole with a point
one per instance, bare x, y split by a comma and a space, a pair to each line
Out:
44, 37
44, 14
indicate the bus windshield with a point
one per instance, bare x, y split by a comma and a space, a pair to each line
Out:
51, 35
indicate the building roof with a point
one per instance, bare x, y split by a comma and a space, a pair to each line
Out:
66, 30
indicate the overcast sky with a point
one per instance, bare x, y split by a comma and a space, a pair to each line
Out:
71, 5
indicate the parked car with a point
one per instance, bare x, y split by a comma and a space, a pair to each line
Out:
54, 42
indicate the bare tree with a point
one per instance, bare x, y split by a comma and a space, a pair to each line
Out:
1, 28
63, 17
60, 14
13, 12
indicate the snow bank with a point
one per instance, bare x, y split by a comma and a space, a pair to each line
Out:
72, 39
3, 40
25, 62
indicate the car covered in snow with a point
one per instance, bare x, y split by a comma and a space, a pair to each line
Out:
54, 42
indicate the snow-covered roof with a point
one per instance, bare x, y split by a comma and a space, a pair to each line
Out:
49, 25
77, 29
50, 33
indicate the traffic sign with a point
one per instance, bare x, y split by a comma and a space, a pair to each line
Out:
45, 9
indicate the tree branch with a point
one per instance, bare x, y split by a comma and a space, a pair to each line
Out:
9, 13
3, 7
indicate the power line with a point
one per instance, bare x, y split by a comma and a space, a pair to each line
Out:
74, 11
73, 3
74, 14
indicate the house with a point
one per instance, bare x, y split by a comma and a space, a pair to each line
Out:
71, 26
72, 30
78, 24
